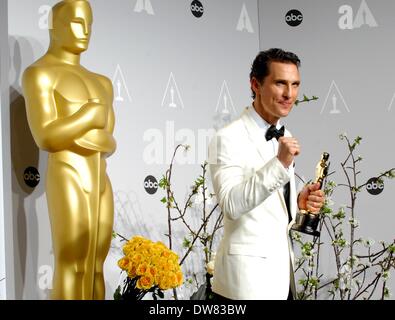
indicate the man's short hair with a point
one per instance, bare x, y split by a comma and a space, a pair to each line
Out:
260, 66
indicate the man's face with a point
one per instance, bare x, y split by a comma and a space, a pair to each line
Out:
277, 94
73, 30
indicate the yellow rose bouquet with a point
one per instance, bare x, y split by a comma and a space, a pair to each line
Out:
150, 267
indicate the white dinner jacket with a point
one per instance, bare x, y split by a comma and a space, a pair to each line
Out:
253, 258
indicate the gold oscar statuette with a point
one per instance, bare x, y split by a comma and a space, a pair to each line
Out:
306, 221
71, 117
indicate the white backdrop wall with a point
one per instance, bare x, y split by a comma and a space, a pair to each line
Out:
3, 94
176, 78
6, 243
348, 62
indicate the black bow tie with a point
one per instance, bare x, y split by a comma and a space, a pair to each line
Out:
272, 132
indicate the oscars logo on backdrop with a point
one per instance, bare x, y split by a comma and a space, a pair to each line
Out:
119, 96
334, 104
334, 100
144, 5
172, 97
43, 22
225, 103
391, 103
225, 108
244, 21
363, 17
120, 87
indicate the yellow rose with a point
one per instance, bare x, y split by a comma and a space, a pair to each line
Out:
145, 282
132, 272
152, 271
156, 252
174, 256
123, 263
159, 275
164, 283
137, 258
142, 269
166, 254
166, 266
172, 278
161, 245
127, 249
138, 239
144, 248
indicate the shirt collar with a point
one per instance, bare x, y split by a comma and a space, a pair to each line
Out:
262, 123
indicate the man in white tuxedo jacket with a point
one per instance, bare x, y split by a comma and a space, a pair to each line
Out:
251, 170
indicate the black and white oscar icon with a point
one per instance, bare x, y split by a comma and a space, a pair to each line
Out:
119, 96
172, 103
306, 221
226, 109
335, 110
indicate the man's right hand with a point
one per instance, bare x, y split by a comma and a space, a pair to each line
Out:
288, 149
95, 114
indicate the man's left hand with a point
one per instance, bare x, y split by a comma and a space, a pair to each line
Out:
311, 198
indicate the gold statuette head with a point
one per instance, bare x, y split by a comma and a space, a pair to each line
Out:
322, 168
71, 25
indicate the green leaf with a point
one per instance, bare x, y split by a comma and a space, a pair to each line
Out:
386, 292
305, 99
326, 210
336, 283
163, 200
186, 243
314, 282
341, 214
163, 183
358, 140
199, 182
391, 248
342, 243
117, 294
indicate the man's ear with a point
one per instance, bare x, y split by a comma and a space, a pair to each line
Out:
255, 85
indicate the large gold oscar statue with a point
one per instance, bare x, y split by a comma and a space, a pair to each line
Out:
70, 114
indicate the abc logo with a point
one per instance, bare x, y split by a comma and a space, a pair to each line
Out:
294, 18
31, 177
151, 185
374, 187
197, 8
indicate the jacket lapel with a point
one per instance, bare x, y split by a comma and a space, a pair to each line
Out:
257, 137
